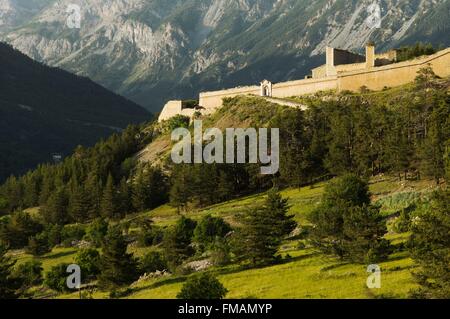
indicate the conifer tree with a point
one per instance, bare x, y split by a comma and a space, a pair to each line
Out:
278, 206
78, 203
180, 191
346, 225
139, 193
93, 189
109, 199
117, 267
8, 285
225, 187
263, 230
177, 242
124, 205
430, 247
433, 151
47, 188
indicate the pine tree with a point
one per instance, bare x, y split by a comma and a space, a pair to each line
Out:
117, 267
430, 247
180, 192
149, 189
225, 187
8, 285
31, 189
254, 242
283, 224
124, 205
93, 189
139, 193
363, 231
19, 228
38, 245
55, 210
47, 188
177, 242
346, 225
109, 199
78, 203
263, 230
433, 151
340, 158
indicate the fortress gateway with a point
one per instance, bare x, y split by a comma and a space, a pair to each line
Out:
343, 70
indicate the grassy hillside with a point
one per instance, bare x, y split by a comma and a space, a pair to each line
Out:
393, 140
305, 274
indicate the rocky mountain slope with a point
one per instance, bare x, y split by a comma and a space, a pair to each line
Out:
154, 50
46, 111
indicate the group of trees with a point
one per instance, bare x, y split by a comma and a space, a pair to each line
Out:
429, 245
85, 185
361, 134
365, 134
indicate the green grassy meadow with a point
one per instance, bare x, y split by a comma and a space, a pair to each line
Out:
304, 273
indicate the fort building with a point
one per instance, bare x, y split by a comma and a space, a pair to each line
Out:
343, 71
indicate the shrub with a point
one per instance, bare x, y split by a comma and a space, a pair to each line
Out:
177, 242
178, 121
72, 233
402, 223
202, 286
53, 233
30, 273
96, 231
152, 262
89, 262
208, 229
38, 245
220, 253
56, 278
150, 237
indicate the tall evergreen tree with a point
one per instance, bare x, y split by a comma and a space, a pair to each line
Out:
177, 242
124, 205
8, 285
433, 149
278, 206
117, 267
140, 193
55, 210
346, 225
430, 247
263, 229
93, 189
109, 200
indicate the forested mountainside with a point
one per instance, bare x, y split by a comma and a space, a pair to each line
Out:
402, 131
153, 51
46, 111
362, 180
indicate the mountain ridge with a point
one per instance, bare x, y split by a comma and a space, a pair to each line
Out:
48, 110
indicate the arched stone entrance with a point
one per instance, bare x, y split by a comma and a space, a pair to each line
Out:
266, 88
